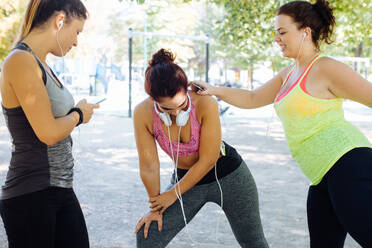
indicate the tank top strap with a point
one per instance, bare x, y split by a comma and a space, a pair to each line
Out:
304, 75
156, 120
194, 123
288, 75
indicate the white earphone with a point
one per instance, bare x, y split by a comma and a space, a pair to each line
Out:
181, 119
60, 25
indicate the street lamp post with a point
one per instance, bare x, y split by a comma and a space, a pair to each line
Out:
130, 34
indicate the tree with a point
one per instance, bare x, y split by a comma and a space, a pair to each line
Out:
246, 30
354, 29
192, 18
137, 17
247, 27
10, 22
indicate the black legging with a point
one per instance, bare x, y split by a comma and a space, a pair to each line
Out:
51, 218
342, 202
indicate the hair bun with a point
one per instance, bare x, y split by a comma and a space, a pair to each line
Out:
325, 11
162, 56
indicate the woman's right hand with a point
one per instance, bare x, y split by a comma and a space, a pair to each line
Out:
87, 109
207, 88
147, 219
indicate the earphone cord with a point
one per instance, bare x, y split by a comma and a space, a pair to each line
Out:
176, 164
63, 56
178, 194
219, 186
299, 51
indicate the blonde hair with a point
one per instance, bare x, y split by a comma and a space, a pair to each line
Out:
31, 11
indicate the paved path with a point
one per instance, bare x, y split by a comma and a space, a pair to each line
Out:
113, 198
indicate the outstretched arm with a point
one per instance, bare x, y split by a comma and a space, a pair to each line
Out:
242, 98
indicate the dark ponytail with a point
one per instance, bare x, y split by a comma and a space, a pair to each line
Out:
318, 16
164, 78
326, 13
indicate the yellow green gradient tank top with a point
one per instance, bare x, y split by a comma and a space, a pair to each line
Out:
316, 130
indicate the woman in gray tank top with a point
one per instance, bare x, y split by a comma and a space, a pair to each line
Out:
37, 203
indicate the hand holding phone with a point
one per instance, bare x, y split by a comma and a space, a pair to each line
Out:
198, 87
201, 88
104, 99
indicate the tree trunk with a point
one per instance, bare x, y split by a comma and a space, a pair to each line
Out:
358, 53
250, 77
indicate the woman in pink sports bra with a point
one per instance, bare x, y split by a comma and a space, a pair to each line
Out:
334, 155
187, 127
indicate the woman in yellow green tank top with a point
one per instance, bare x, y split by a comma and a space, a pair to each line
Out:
308, 96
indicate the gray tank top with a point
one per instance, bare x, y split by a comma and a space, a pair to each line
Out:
34, 165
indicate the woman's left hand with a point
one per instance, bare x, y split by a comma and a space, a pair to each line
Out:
163, 201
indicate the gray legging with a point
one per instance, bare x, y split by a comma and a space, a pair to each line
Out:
240, 204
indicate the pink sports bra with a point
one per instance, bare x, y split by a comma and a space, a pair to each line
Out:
185, 149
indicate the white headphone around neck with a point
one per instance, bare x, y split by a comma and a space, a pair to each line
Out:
60, 25
181, 119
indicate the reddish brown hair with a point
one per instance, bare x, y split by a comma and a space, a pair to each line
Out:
318, 16
164, 78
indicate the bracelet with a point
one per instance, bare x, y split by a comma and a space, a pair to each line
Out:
80, 115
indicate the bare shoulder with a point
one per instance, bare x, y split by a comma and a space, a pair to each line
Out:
205, 106
202, 103
19, 58
144, 107
329, 65
333, 70
21, 64
325, 60
143, 112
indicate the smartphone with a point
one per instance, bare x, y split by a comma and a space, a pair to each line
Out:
104, 99
198, 87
